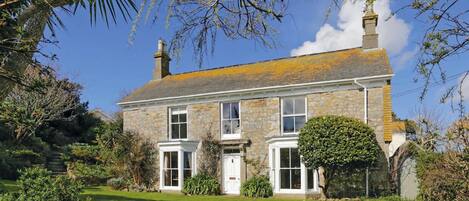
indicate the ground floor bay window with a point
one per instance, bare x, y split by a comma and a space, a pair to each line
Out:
176, 163
287, 173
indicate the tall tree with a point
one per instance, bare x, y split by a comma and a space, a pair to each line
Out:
25, 111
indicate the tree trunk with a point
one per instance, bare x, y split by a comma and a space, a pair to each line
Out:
323, 183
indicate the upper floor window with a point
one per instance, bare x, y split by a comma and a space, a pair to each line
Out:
230, 123
178, 122
293, 114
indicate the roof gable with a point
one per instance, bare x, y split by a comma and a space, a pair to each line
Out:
336, 65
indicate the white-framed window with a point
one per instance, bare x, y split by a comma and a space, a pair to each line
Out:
293, 114
290, 168
230, 120
188, 163
170, 169
178, 123
176, 163
288, 174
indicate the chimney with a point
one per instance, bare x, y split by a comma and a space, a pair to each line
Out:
370, 21
161, 62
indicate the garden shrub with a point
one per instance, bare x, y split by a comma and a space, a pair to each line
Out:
201, 184
91, 174
81, 152
118, 183
13, 159
257, 186
38, 184
443, 176
348, 142
129, 155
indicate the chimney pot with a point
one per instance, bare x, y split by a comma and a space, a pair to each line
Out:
369, 23
161, 45
162, 59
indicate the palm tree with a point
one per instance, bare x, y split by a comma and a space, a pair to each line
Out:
22, 23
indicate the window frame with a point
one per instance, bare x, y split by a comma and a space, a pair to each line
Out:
282, 99
191, 163
231, 135
171, 169
170, 122
180, 147
180, 169
290, 169
275, 144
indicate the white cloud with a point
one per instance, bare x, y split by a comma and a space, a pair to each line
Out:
404, 58
393, 32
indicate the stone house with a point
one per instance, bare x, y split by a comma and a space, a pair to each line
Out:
256, 110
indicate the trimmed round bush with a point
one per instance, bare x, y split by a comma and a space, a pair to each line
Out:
336, 143
201, 184
258, 187
117, 183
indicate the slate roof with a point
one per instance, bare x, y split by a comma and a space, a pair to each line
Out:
335, 65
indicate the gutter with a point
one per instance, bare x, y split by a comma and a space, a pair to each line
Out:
261, 88
365, 99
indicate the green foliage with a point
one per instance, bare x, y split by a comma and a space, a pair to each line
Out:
25, 112
201, 184
81, 152
90, 174
350, 183
38, 184
14, 158
257, 186
210, 155
83, 164
118, 183
336, 141
127, 154
443, 176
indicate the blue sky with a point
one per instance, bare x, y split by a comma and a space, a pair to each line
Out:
102, 60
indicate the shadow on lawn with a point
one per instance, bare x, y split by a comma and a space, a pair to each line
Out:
114, 198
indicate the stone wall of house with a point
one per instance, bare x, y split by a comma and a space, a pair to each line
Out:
203, 120
260, 118
350, 103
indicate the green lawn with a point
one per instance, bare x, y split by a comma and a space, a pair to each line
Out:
104, 193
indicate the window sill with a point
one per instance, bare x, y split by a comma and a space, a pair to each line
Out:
175, 140
230, 136
290, 134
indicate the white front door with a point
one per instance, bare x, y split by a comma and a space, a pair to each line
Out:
231, 174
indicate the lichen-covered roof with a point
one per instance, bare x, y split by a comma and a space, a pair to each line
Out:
342, 64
